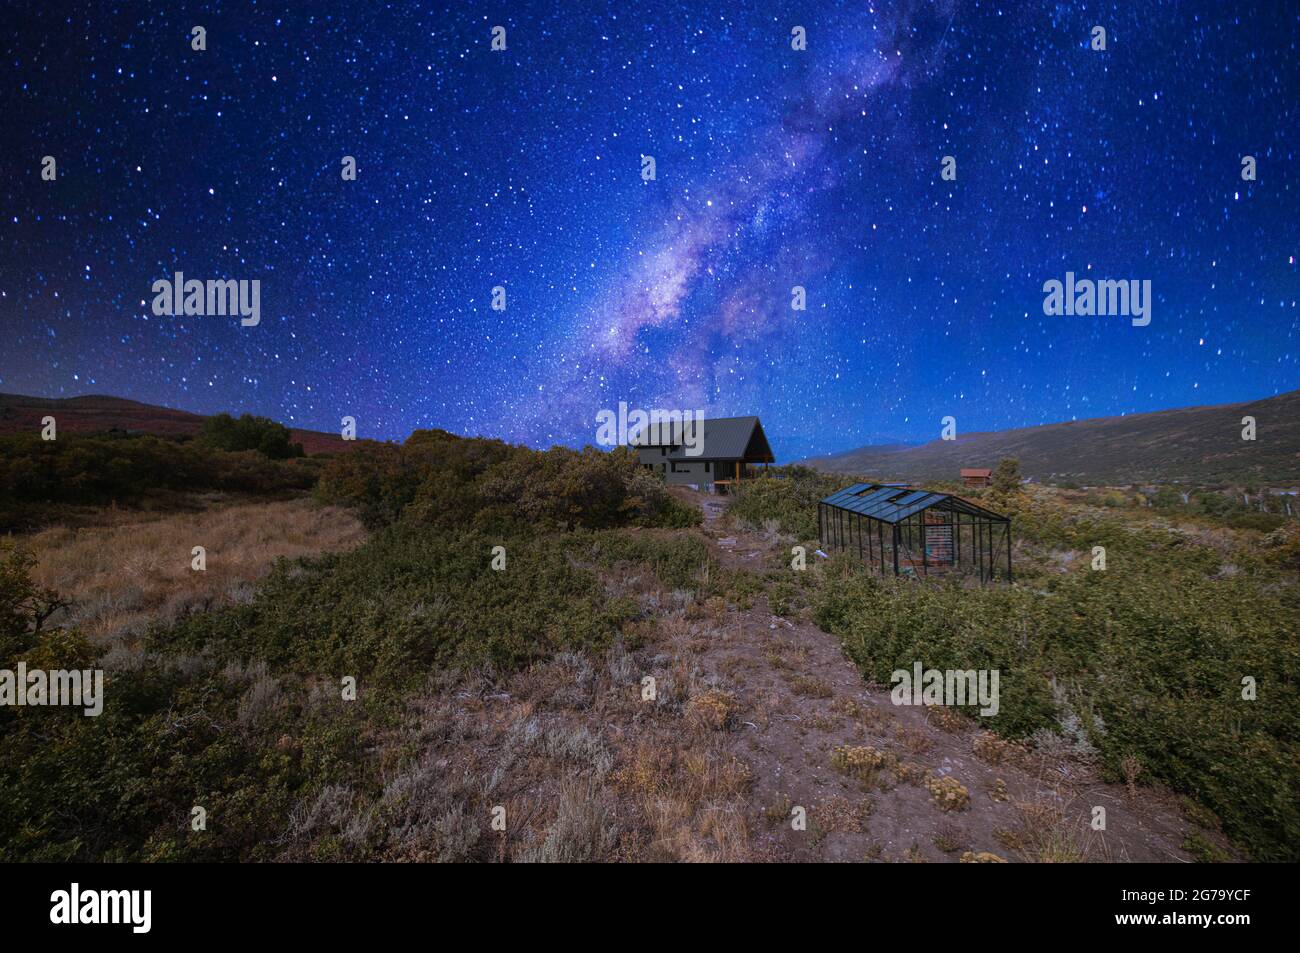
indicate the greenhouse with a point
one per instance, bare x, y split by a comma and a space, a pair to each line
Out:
915, 532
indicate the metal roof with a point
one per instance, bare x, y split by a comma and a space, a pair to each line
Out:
893, 504
728, 438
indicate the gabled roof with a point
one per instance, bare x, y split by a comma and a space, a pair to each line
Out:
976, 472
728, 438
892, 504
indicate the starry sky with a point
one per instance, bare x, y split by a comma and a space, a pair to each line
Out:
774, 168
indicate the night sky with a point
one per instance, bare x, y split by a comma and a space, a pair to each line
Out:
775, 168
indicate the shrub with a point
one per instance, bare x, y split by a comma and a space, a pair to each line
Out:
267, 437
680, 561
1006, 478
788, 495
948, 793
713, 710
408, 601
80, 469
442, 480
24, 606
862, 762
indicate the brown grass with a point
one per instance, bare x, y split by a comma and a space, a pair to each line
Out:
1048, 832
862, 762
810, 686
713, 710
839, 813
119, 577
948, 793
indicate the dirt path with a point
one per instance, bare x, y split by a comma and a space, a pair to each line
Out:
884, 782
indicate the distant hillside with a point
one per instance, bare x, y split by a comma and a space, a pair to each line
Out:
1187, 445
792, 446
95, 412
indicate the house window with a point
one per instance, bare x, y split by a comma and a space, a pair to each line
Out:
706, 466
663, 451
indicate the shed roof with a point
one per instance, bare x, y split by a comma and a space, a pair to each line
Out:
891, 504
728, 438
976, 472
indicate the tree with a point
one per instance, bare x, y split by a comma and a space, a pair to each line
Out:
269, 438
24, 605
1167, 498
1006, 478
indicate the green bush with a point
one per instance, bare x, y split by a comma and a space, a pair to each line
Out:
24, 606
680, 561
438, 479
788, 495
887, 625
267, 437
1262, 522
119, 787
1006, 478
409, 601
79, 469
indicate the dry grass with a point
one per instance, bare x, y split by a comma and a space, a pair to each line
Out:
583, 769
1049, 832
950, 838
810, 686
838, 813
948, 793
689, 803
947, 719
120, 577
862, 762
982, 857
993, 750
713, 710
915, 741
869, 717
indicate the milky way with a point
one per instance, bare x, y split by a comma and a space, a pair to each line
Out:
775, 168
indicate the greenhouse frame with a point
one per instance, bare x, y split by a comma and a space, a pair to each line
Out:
915, 532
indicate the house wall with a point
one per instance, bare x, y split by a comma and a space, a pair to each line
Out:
689, 473
684, 473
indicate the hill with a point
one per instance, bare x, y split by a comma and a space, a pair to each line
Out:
95, 412
1201, 445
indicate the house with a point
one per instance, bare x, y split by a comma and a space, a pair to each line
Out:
976, 476
915, 532
727, 454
